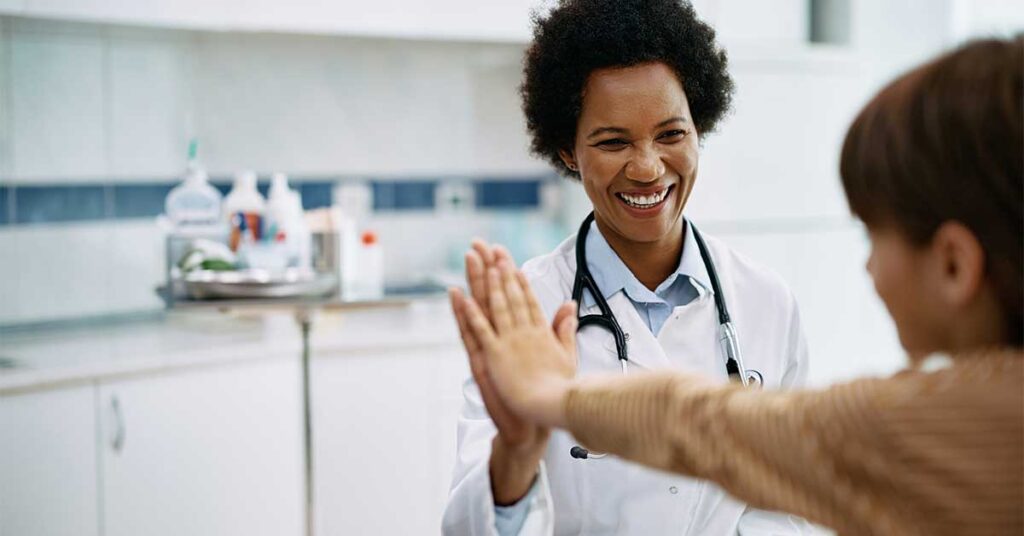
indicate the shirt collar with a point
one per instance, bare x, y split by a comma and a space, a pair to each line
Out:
612, 275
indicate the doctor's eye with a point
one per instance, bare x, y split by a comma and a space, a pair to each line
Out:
613, 144
673, 136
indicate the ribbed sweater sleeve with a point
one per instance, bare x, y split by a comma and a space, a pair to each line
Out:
867, 457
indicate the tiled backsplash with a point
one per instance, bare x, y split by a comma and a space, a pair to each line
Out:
79, 202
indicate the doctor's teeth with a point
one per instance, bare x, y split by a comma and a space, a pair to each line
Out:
644, 201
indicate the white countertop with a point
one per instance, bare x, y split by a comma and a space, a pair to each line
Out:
50, 358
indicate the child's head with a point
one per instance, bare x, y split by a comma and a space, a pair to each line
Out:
934, 166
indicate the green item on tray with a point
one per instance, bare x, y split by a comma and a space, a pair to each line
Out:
216, 265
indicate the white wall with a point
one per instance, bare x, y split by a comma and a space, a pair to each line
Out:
91, 101
81, 102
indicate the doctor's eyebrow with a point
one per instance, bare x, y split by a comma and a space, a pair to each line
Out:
620, 130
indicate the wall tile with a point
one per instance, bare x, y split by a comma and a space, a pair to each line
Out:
139, 200
62, 272
403, 195
41, 204
148, 108
508, 194
58, 107
136, 266
316, 194
4, 209
5, 88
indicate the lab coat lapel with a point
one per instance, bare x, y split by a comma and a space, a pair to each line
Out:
642, 348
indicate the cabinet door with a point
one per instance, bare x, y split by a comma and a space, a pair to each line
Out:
382, 448
48, 463
207, 452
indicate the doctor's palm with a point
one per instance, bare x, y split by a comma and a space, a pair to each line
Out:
513, 431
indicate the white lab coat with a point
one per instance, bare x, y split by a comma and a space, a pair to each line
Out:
613, 496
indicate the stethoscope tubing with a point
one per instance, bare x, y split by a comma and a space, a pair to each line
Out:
728, 340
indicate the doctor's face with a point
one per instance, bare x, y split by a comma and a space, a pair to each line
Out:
636, 151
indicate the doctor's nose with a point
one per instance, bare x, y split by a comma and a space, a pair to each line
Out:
645, 166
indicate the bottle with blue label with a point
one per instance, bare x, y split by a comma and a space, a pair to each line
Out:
194, 204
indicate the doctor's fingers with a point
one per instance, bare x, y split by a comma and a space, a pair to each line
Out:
536, 313
476, 278
501, 317
517, 304
480, 327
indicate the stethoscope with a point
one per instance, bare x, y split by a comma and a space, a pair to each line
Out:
605, 319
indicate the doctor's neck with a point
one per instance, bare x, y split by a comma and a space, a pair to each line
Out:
651, 261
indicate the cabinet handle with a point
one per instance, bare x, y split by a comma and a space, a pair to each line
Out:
117, 441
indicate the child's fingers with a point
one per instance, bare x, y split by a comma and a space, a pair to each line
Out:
500, 314
476, 278
536, 313
518, 307
479, 325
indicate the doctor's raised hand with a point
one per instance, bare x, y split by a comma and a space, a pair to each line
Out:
518, 445
528, 363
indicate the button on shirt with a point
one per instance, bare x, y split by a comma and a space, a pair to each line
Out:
689, 281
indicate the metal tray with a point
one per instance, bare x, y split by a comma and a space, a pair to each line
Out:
290, 283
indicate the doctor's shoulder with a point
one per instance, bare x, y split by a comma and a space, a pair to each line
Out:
550, 277
743, 276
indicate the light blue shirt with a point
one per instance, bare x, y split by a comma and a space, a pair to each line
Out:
689, 280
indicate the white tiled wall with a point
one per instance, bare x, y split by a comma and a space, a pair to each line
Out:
91, 101
57, 96
146, 105
63, 270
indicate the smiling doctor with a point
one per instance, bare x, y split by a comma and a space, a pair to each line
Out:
617, 94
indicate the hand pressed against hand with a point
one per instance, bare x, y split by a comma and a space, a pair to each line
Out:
529, 364
519, 445
515, 433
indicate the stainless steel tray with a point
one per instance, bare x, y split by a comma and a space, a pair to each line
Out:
290, 283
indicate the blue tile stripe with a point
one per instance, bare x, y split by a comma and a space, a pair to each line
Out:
33, 204
5, 199
403, 195
508, 194
42, 204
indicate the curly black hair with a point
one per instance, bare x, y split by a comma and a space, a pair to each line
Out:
580, 36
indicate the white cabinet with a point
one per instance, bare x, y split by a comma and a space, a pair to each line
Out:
206, 452
48, 463
384, 436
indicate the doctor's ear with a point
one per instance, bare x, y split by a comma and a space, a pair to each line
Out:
569, 160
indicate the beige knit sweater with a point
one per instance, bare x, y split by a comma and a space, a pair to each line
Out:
938, 452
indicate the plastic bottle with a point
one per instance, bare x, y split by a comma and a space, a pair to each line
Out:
299, 235
369, 277
194, 203
285, 223
244, 208
279, 208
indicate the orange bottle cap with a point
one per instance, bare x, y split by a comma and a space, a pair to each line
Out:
369, 238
